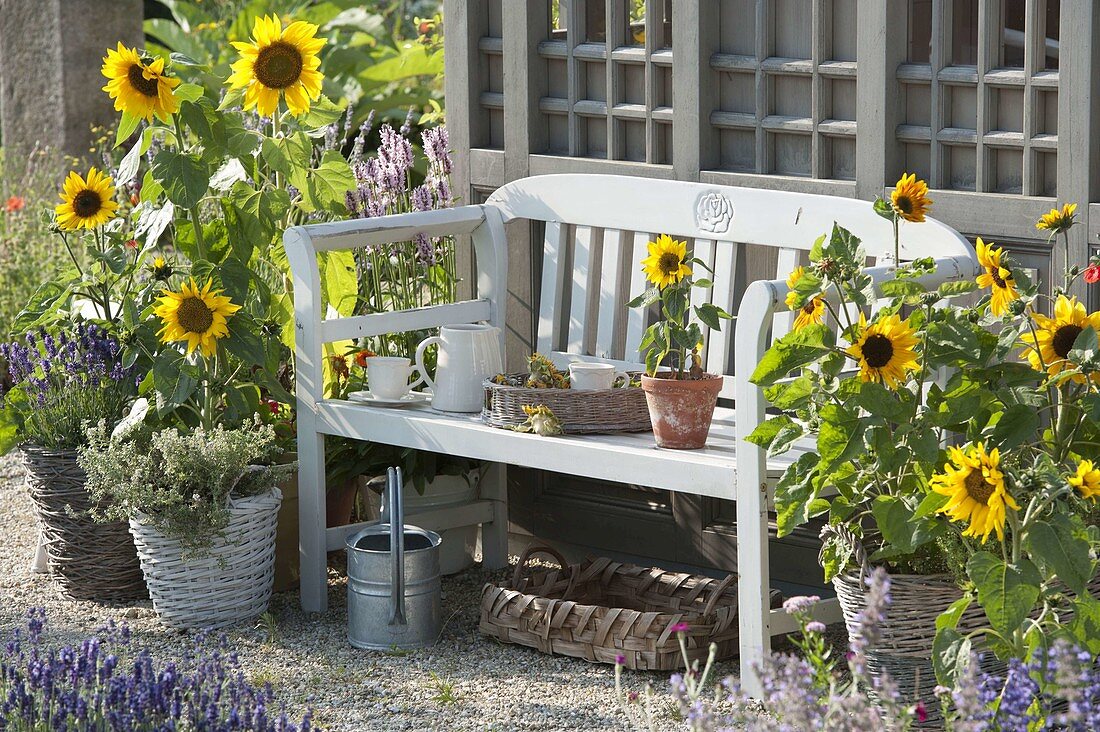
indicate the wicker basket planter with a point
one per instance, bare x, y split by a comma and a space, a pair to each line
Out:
600, 609
580, 412
89, 560
228, 583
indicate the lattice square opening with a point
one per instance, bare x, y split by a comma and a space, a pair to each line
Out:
961, 107
790, 96
737, 91
918, 159
1045, 174
1009, 107
961, 167
840, 99
738, 150
840, 158
631, 138
1046, 113
737, 24
1007, 170
790, 153
918, 104
792, 24
633, 83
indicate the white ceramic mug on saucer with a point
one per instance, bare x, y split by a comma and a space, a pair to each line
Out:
594, 376
388, 376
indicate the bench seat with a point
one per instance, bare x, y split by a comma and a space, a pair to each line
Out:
621, 458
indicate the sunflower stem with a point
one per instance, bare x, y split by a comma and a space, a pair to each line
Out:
897, 242
193, 212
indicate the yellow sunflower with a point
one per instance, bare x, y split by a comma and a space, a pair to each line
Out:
665, 264
812, 312
196, 316
1058, 220
884, 350
975, 485
138, 88
910, 198
1054, 337
278, 61
997, 277
1086, 479
86, 202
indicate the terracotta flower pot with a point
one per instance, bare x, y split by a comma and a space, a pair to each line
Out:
681, 410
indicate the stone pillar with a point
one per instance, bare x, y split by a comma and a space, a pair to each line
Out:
50, 55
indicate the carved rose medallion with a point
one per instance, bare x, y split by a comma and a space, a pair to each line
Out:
714, 212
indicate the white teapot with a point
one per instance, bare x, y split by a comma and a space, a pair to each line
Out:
468, 355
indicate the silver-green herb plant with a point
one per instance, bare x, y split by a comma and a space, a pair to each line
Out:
180, 482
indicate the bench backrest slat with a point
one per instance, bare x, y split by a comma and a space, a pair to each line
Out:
596, 232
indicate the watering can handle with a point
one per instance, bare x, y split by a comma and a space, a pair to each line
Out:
397, 546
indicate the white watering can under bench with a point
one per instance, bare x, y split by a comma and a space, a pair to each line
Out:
468, 355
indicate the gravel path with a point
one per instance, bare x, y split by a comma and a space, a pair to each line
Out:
465, 682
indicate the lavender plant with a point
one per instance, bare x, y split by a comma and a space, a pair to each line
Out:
105, 684
60, 382
1058, 688
409, 274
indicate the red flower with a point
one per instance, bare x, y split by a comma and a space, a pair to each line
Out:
132, 244
922, 713
135, 199
273, 406
1092, 273
14, 204
362, 356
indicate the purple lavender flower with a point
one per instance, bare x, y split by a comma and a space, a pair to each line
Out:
406, 128
436, 144
395, 150
800, 604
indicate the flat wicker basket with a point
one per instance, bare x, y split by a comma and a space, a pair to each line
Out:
600, 609
228, 583
580, 412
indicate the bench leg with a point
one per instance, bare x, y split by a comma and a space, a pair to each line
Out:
312, 542
753, 584
494, 535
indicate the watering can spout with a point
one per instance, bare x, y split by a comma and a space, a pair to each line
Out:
397, 546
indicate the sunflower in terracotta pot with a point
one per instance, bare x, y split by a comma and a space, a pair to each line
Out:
682, 396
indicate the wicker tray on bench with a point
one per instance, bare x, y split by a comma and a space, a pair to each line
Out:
600, 609
622, 409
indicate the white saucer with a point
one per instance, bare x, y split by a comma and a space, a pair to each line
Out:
365, 397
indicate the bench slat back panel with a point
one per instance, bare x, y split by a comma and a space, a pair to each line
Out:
598, 226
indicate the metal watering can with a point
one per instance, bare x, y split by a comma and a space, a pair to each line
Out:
394, 596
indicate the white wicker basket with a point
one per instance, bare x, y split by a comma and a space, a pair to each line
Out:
228, 583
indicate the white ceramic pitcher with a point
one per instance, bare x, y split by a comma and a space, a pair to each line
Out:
468, 355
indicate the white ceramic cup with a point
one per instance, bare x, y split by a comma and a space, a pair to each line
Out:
388, 376
594, 376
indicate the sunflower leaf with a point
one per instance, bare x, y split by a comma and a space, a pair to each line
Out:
1058, 550
126, 127
188, 92
794, 350
1007, 592
321, 113
232, 98
185, 177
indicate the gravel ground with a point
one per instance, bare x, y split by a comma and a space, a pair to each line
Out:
465, 682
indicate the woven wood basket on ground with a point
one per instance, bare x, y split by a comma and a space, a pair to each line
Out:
89, 560
600, 609
580, 412
229, 582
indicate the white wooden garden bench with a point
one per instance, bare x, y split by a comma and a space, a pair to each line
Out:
596, 230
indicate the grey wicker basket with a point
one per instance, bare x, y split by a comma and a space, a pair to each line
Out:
580, 412
89, 560
904, 647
